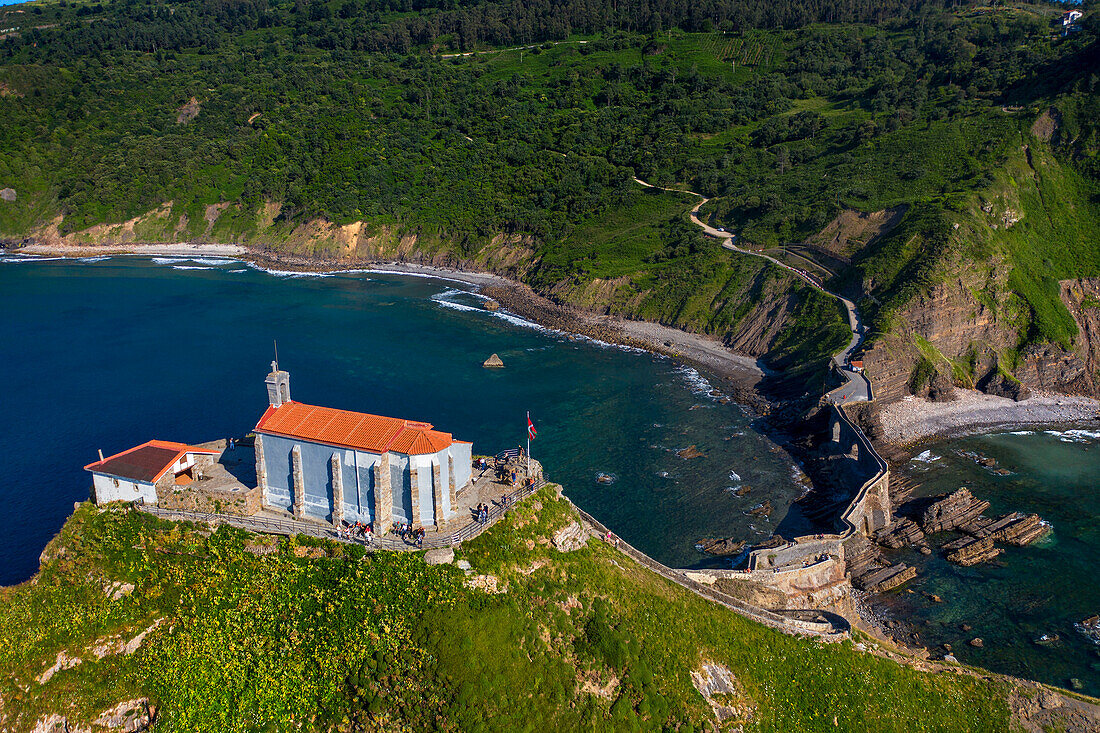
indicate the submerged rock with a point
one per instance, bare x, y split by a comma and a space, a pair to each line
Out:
493, 362
690, 452
720, 547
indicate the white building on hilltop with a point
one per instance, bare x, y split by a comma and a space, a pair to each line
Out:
336, 465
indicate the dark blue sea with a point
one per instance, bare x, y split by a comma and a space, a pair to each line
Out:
107, 353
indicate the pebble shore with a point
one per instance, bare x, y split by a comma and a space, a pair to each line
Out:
913, 419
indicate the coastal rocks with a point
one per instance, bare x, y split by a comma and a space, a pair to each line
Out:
441, 556
491, 305
719, 687
128, 716
64, 661
970, 551
720, 547
1000, 385
1090, 627
493, 362
952, 511
569, 538
7, 194
488, 583
887, 578
690, 452
902, 533
118, 590
763, 509
1020, 529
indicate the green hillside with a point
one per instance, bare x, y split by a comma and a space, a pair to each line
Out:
257, 634
275, 123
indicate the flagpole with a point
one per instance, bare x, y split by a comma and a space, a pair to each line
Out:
528, 444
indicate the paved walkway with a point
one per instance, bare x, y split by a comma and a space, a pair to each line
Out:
267, 523
856, 388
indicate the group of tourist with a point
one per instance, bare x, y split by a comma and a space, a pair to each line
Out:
482, 512
408, 534
356, 530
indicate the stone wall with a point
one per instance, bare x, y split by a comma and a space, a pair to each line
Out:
196, 498
870, 508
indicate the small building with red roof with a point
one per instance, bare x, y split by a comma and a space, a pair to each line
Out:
135, 474
337, 465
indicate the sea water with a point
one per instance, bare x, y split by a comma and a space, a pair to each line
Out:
1045, 589
107, 353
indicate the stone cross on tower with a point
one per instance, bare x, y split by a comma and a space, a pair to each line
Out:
278, 386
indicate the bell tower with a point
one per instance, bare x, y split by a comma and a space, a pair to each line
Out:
278, 386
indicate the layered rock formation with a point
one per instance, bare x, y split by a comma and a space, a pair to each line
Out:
952, 512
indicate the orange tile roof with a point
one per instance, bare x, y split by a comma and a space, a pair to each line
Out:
372, 433
146, 462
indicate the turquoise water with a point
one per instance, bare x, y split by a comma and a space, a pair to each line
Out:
1028, 591
112, 352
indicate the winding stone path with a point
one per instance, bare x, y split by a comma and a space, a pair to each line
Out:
856, 387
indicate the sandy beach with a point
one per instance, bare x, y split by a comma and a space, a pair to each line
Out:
913, 419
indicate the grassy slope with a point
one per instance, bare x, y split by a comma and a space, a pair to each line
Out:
252, 642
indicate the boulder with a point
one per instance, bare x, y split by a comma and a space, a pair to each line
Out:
977, 642
952, 511
1000, 385
7, 194
569, 538
493, 362
690, 452
941, 389
492, 305
721, 547
441, 556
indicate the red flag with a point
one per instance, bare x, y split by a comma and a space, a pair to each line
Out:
531, 432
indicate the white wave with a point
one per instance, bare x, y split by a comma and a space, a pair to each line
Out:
97, 258
696, 381
406, 273
1021, 432
27, 258
521, 322
208, 261
734, 476
456, 306
241, 270
213, 261
189, 267
1074, 436
926, 457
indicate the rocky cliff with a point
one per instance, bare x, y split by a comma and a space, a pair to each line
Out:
958, 334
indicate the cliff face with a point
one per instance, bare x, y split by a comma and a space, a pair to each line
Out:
1006, 301
963, 333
